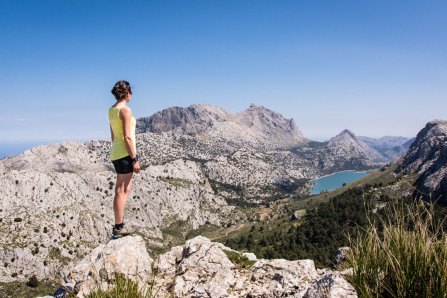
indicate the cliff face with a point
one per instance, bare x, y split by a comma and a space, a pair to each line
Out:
257, 126
427, 158
201, 268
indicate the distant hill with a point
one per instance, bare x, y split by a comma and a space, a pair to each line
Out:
390, 147
343, 152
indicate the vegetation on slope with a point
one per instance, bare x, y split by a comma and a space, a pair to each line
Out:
402, 254
319, 225
316, 236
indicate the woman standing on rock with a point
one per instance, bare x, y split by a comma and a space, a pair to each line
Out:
123, 153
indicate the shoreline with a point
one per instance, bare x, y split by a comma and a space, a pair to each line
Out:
339, 173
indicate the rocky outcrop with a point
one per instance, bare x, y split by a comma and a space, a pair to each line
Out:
202, 268
427, 158
257, 126
127, 256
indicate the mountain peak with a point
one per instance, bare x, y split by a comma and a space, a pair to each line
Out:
346, 141
344, 136
347, 132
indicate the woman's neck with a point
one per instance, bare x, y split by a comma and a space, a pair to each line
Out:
121, 102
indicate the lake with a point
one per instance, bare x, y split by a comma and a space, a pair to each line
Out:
335, 181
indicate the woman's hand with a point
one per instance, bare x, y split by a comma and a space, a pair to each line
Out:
136, 167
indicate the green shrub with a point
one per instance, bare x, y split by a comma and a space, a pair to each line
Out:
33, 282
239, 259
402, 255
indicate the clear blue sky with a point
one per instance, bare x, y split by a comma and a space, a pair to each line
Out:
375, 67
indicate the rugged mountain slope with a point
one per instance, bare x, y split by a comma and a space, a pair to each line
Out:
257, 126
57, 199
427, 158
347, 144
390, 147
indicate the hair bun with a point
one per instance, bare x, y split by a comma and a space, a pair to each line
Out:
121, 89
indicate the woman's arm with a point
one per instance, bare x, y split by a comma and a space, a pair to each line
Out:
126, 116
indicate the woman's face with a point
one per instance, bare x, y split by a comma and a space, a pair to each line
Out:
128, 96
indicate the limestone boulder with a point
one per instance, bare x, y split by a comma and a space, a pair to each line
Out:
127, 256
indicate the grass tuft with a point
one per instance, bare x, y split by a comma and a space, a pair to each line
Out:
121, 286
238, 259
403, 254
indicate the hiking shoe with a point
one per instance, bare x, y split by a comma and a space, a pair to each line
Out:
124, 231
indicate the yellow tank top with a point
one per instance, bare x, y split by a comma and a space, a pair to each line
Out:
119, 149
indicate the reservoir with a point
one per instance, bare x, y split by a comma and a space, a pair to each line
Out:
335, 181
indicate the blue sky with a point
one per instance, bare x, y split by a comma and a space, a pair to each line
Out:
375, 67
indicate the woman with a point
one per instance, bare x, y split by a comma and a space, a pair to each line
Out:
123, 153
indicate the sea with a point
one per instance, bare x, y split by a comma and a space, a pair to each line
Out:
334, 181
7, 149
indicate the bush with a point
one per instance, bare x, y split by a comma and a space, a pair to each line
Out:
402, 255
33, 282
121, 286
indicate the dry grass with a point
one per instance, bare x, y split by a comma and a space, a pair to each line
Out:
404, 254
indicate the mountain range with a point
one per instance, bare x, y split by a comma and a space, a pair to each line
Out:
201, 166
257, 126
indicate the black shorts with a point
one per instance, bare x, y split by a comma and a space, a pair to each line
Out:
123, 165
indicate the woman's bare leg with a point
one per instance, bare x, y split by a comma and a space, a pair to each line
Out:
122, 191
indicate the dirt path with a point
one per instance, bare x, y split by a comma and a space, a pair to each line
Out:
229, 230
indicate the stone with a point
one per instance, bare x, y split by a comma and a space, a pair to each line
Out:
331, 284
250, 256
127, 256
201, 268
341, 255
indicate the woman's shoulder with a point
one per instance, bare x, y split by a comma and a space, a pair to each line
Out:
125, 111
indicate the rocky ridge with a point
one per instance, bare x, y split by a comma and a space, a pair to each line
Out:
201, 268
257, 126
427, 159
